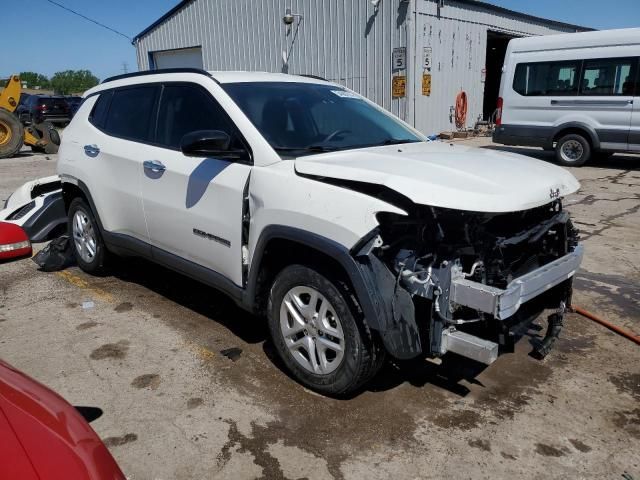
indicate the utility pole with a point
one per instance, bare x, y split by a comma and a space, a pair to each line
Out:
125, 67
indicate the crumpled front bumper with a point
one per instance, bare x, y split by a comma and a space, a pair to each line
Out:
503, 304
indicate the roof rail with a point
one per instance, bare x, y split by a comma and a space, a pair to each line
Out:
315, 77
157, 72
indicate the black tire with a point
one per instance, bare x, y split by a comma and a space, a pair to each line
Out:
98, 261
363, 355
573, 150
11, 134
54, 136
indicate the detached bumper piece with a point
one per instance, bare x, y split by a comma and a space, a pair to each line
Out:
478, 349
502, 304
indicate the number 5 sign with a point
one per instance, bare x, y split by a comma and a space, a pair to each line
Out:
426, 58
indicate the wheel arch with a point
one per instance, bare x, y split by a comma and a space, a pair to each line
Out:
279, 246
578, 128
295, 244
72, 188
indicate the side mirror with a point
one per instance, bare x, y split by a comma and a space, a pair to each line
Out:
208, 143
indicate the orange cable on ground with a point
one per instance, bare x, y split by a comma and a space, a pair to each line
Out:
620, 331
461, 110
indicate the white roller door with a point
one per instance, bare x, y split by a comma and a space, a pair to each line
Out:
179, 58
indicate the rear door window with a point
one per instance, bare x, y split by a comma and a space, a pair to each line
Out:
131, 113
547, 78
608, 77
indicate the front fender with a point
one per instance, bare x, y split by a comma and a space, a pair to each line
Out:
372, 282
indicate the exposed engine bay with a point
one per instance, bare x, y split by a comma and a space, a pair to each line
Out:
466, 281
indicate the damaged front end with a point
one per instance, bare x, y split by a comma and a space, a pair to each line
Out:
468, 282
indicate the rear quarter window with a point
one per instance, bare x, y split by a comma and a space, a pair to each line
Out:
99, 111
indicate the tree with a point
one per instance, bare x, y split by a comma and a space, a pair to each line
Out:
73, 81
34, 79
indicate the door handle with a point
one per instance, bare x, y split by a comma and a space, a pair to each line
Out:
91, 150
154, 165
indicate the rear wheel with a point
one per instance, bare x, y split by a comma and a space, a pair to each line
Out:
573, 150
316, 334
11, 134
88, 246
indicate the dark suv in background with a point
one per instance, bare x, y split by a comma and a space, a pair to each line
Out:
38, 108
74, 102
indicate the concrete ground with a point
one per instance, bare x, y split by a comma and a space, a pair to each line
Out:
147, 351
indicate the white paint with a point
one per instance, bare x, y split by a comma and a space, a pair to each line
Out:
442, 175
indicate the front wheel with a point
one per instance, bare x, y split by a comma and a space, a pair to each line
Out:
88, 246
317, 334
573, 150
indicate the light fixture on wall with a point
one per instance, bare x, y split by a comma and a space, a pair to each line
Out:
289, 19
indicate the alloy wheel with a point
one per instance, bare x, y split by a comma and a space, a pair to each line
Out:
84, 236
312, 330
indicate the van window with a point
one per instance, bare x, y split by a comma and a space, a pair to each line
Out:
188, 108
612, 76
130, 113
547, 78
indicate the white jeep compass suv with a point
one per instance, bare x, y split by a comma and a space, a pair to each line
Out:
306, 203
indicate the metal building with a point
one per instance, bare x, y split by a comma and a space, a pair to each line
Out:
410, 56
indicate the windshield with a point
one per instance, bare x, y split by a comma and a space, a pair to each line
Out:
305, 118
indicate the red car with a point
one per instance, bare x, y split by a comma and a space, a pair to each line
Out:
42, 437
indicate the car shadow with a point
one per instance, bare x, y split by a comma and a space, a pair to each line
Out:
216, 306
191, 294
448, 372
619, 161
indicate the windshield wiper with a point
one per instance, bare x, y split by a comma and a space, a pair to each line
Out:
310, 148
395, 141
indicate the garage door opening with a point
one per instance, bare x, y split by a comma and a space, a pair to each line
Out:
496, 50
178, 58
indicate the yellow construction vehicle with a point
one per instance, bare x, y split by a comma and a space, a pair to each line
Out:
42, 137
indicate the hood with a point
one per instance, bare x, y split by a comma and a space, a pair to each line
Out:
448, 176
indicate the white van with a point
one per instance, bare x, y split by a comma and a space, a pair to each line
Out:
577, 93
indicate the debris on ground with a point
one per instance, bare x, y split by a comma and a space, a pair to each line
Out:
56, 256
232, 354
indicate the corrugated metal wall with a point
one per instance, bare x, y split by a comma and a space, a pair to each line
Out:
341, 40
349, 42
458, 38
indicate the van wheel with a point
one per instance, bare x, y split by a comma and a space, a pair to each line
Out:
317, 335
573, 150
88, 246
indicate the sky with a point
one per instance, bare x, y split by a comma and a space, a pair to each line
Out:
41, 37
